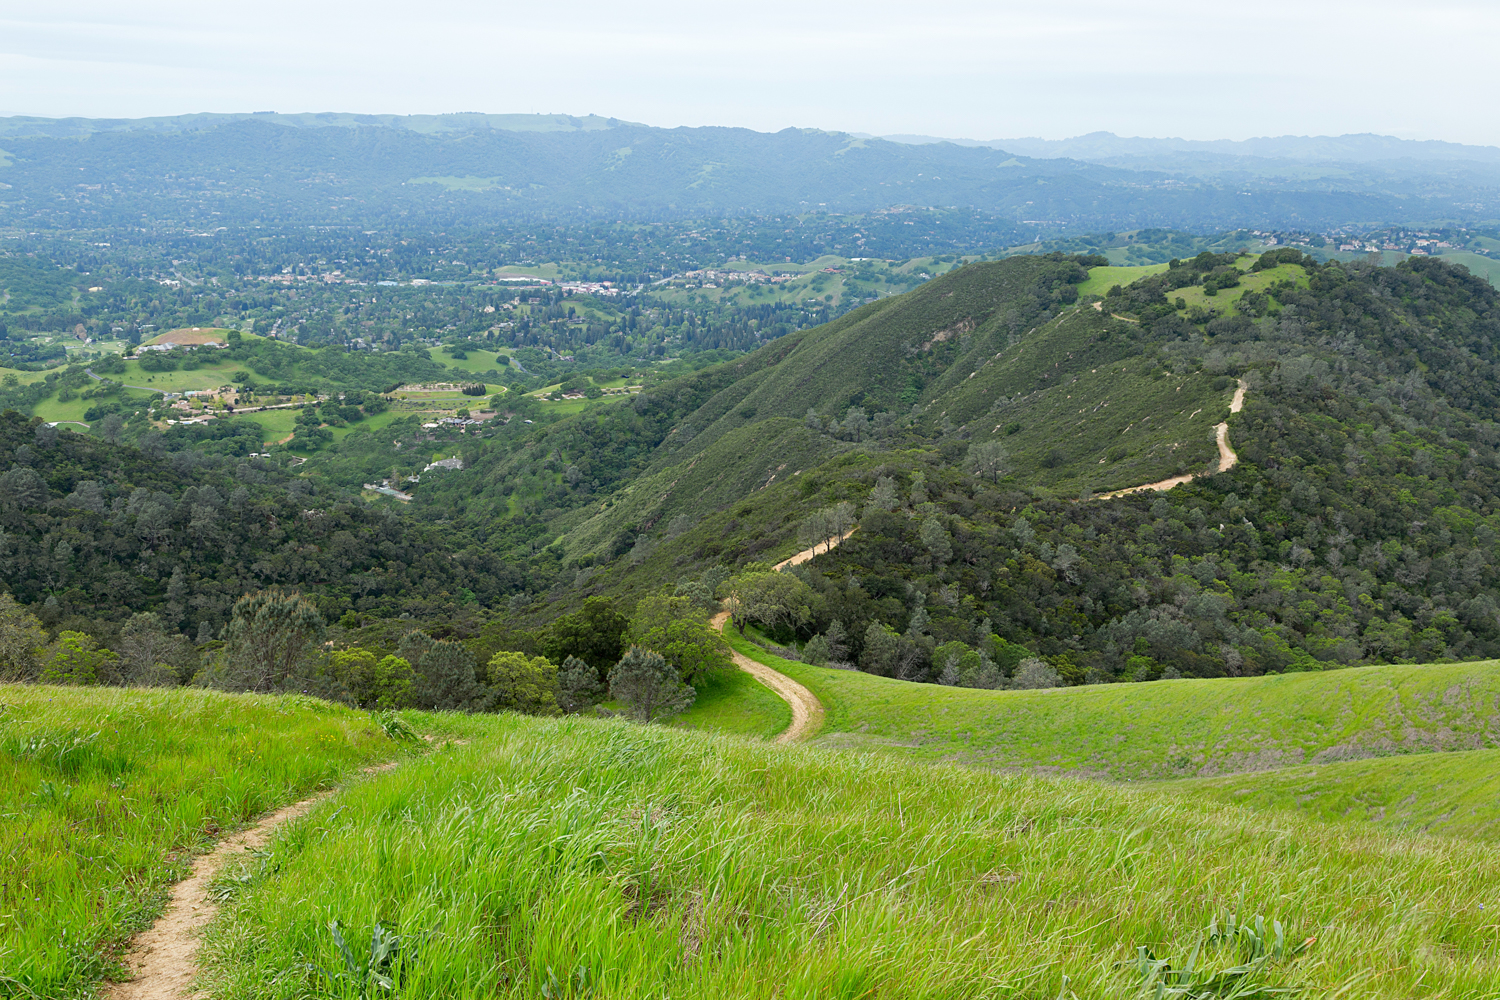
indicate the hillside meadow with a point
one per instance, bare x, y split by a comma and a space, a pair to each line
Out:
106, 794
586, 858
1163, 729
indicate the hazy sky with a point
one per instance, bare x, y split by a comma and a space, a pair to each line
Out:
968, 68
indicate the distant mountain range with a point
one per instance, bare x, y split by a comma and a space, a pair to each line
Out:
350, 169
1360, 148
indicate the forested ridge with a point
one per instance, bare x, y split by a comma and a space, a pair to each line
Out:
91, 533
1359, 525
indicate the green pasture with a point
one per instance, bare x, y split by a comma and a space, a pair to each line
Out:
106, 794
1225, 302
476, 362
732, 701
580, 857
211, 375
1102, 279
51, 410
24, 378
374, 423
1162, 729
1457, 793
1487, 268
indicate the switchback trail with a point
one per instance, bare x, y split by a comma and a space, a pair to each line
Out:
1227, 457
163, 960
807, 711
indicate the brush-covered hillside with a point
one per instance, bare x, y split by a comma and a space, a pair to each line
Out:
973, 425
511, 856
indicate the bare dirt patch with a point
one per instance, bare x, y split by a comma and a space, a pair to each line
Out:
192, 335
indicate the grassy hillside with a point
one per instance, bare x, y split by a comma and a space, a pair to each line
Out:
1074, 401
735, 702
1164, 728
106, 794
578, 857
1457, 794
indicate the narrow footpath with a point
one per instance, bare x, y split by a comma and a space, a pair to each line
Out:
1227, 457
163, 961
807, 711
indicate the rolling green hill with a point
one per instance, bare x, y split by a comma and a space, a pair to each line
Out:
576, 856
1456, 794
991, 400
1167, 729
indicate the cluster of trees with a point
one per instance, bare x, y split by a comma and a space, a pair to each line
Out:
1360, 525
276, 640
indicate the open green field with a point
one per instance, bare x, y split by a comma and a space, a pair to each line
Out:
580, 857
105, 795
476, 362
51, 409
1224, 303
1164, 729
735, 702
211, 375
24, 378
1102, 279
1457, 794
1486, 267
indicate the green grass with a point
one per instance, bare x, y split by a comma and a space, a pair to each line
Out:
1225, 302
274, 424
1449, 793
1102, 279
477, 361
1164, 729
734, 702
209, 376
105, 794
1487, 268
51, 409
579, 857
374, 423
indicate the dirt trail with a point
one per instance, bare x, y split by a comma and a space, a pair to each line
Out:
816, 550
163, 960
807, 711
1227, 457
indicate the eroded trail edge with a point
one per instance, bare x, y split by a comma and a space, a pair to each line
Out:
807, 711
163, 960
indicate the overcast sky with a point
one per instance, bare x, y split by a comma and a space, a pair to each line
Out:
978, 69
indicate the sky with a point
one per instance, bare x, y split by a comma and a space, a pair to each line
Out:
980, 69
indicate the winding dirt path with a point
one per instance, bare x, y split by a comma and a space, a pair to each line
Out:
163, 961
807, 711
1227, 457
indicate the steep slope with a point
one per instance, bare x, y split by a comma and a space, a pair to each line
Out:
992, 350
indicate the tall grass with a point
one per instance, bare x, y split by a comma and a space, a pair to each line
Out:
571, 858
1456, 794
105, 794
